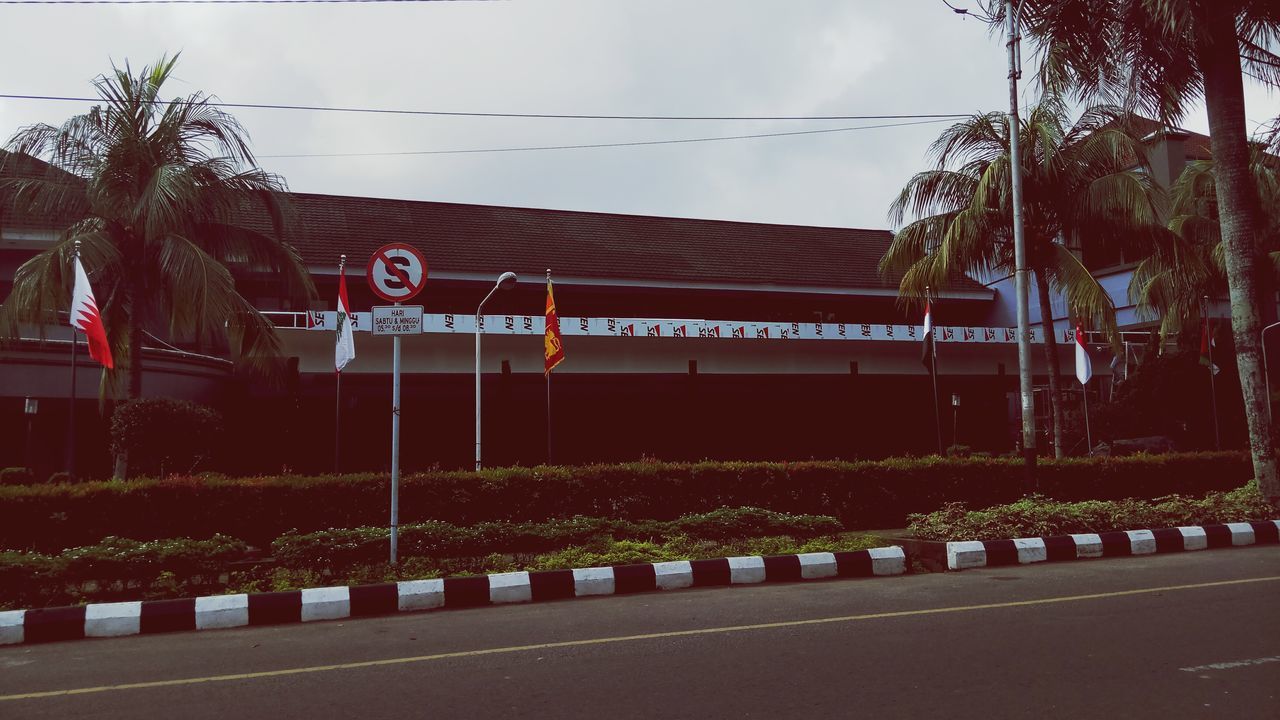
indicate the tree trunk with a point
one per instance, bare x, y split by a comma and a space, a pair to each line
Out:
1051, 357
133, 301
1238, 209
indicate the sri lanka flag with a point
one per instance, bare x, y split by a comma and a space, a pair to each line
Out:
553, 348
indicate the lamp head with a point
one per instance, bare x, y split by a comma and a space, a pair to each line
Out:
506, 280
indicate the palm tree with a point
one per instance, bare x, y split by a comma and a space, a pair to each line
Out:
1080, 180
1162, 55
1188, 264
153, 191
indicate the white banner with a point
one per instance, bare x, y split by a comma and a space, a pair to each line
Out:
666, 328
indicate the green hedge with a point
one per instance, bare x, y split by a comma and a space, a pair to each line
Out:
163, 435
115, 568
860, 494
118, 568
338, 549
1038, 516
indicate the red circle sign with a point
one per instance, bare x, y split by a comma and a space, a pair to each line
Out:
397, 272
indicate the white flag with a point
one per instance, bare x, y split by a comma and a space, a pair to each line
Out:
1084, 366
345, 348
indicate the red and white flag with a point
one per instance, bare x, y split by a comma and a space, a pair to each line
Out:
344, 348
1084, 366
85, 318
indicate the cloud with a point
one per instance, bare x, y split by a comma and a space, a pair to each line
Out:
713, 57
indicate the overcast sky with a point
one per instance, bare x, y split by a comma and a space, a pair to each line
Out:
667, 57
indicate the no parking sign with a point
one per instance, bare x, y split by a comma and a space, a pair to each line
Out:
397, 272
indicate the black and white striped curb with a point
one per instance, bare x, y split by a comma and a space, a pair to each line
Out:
334, 603
984, 553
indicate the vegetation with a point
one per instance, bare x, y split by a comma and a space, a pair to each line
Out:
1189, 264
153, 190
1161, 56
16, 476
1080, 180
162, 435
1040, 516
337, 550
861, 495
117, 568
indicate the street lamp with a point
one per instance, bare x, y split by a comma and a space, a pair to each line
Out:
30, 407
505, 281
1266, 369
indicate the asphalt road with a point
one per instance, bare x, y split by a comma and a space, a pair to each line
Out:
1171, 636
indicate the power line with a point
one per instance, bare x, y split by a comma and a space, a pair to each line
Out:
211, 2
601, 145
451, 113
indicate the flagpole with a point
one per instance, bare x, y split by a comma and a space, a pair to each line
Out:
1213, 391
933, 372
337, 389
337, 421
548, 378
71, 410
1088, 435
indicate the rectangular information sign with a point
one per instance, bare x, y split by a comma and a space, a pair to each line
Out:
396, 319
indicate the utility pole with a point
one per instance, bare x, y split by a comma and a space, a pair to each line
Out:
1021, 273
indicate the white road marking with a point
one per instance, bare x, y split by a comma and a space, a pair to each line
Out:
1230, 665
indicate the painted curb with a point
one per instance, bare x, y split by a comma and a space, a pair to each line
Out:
1023, 551
335, 603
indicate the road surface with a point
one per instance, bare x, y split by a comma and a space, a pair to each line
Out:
1193, 635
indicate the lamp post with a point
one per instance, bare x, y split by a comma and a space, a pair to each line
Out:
1266, 369
505, 281
955, 418
30, 407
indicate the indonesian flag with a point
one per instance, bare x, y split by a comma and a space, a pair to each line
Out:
1206, 345
344, 349
1084, 366
553, 348
927, 356
85, 318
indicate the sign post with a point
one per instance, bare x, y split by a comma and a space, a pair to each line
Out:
396, 273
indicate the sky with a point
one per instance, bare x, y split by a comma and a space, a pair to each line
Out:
657, 57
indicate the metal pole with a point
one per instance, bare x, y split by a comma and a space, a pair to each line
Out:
395, 445
1213, 391
549, 391
933, 371
548, 418
1088, 435
1020, 258
1266, 369
337, 422
478, 316
337, 389
71, 408
71, 412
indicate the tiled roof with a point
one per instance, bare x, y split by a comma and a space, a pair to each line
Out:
1196, 146
490, 239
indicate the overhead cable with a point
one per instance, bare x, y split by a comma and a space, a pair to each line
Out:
551, 116
597, 145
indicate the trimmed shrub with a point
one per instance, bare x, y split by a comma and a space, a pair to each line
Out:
339, 549
1039, 516
163, 435
16, 476
861, 495
115, 567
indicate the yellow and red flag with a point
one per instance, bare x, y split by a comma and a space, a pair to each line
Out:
553, 347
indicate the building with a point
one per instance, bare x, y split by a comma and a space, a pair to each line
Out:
701, 339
